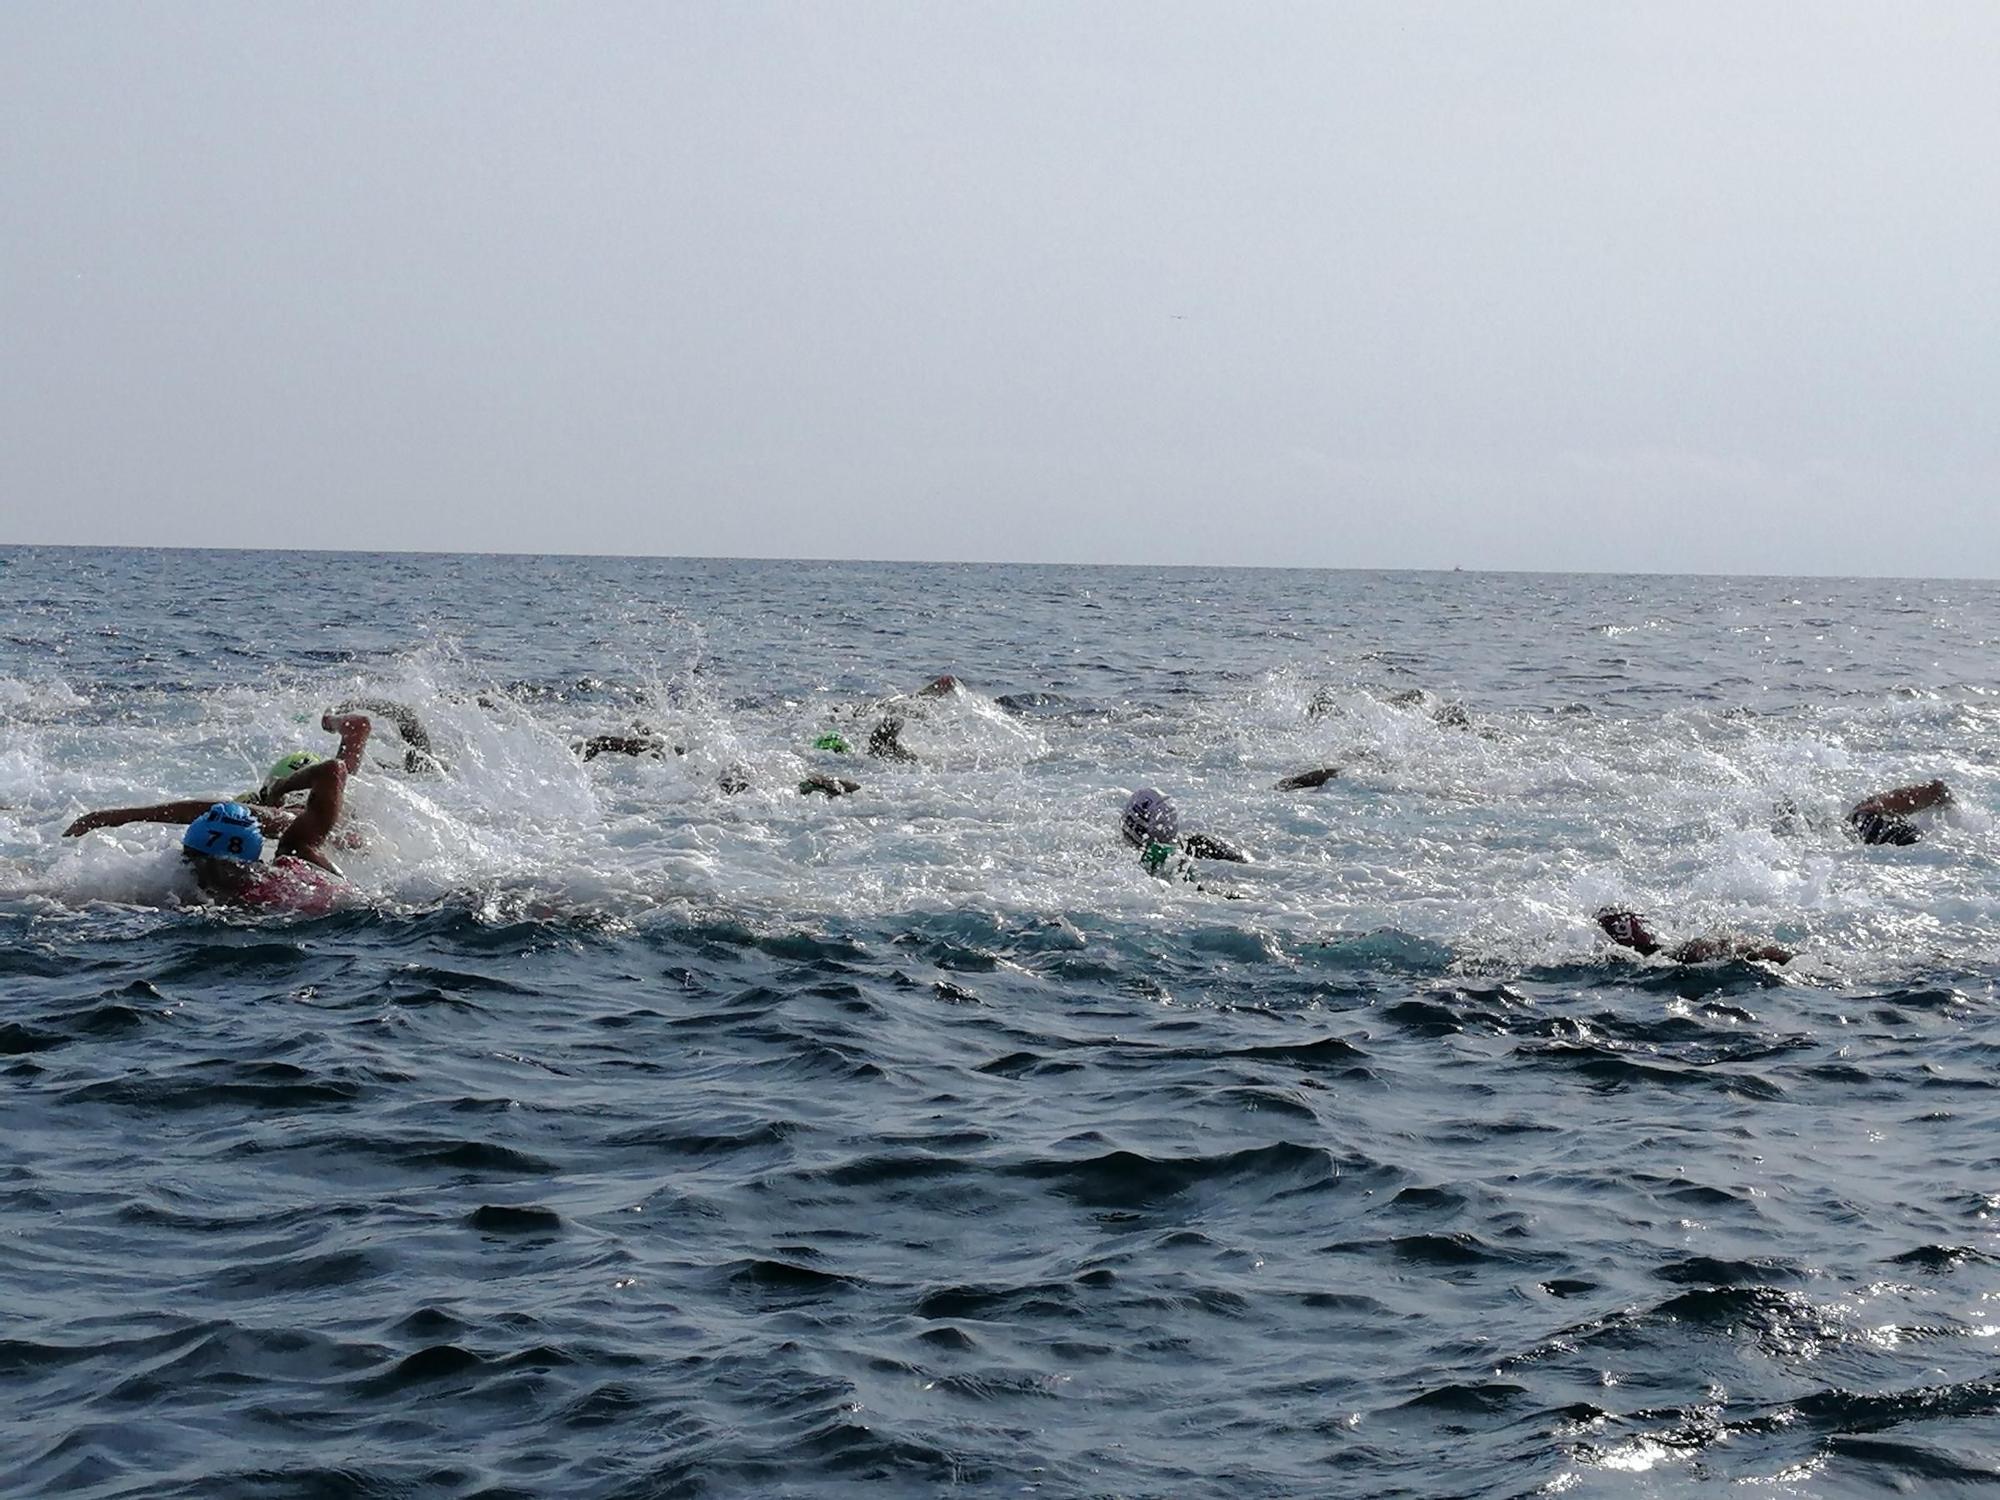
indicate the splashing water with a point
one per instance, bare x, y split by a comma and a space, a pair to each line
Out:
628, 1134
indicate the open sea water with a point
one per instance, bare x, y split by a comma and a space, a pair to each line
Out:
628, 1138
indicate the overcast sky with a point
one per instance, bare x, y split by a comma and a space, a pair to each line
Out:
1662, 287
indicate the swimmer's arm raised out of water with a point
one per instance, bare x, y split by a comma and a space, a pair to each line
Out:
325, 786
419, 756
353, 730
886, 742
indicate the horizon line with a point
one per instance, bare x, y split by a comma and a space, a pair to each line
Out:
933, 562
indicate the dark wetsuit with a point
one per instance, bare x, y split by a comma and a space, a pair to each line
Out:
1882, 828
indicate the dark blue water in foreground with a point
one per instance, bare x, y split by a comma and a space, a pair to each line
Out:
628, 1138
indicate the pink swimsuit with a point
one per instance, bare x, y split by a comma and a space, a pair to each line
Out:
295, 885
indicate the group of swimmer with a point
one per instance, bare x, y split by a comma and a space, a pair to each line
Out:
224, 845
1151, 824
266, 847
293, 813
1881, 819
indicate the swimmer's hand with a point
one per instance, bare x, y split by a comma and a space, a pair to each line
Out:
353, 730
90, 822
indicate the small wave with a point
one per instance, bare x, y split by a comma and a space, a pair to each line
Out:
1129, 1179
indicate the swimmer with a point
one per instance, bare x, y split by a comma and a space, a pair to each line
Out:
1325, 701
1308, 781
1151, 824
831, 786
819, 781
225, 842
1449, 715
268, 799
1628, 930
885, 739
1884, 817
418, 756
625, 744
282, 767
224, 847
886, 743
942, 686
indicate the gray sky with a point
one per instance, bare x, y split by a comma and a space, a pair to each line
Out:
1660, 287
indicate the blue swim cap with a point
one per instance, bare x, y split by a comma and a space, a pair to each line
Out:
225, 831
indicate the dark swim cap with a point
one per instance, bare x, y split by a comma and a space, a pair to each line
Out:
225, 831
1622, 926
1627, 929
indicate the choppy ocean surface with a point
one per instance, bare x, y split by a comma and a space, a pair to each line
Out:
630, 1138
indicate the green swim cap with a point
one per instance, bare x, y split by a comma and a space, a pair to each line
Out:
833, 742
284, 765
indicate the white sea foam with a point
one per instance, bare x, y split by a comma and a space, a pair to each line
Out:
1496, 837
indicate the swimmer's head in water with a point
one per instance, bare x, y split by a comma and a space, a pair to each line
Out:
833, 742
939, 687
285, 765
227, 832
1627, 929
1149, 818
